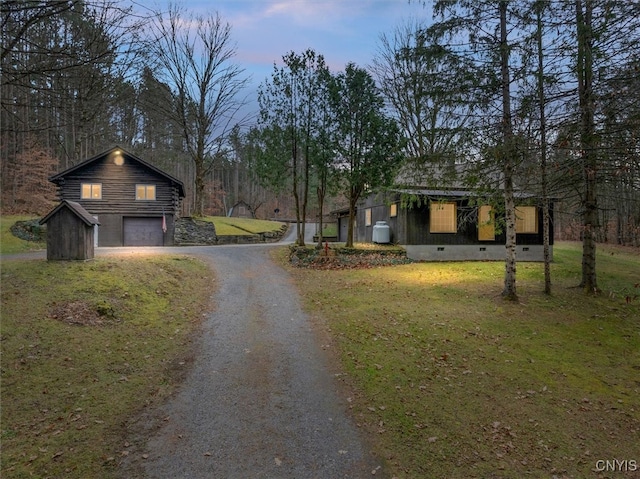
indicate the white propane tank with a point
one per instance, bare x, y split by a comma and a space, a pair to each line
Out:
381, 232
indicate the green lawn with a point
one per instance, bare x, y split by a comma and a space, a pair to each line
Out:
446, 378
451, 381
85, 347
226, 226
10, 243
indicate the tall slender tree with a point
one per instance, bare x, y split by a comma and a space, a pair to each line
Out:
291, 121
195, 59
542, 104
588, 152
368, 143
481, 29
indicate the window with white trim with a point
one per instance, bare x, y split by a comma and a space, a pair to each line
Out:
91, 191
146, 192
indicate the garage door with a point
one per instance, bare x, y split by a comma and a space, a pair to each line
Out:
143, 232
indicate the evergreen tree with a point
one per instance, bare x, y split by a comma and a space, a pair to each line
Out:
367, 142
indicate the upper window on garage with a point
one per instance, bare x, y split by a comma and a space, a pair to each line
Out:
145, 192
443, 218
526, 219
91, 191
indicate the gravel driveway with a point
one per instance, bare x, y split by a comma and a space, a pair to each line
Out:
261, 400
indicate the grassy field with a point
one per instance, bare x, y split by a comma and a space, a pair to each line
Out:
226, 226
86, 346
11, 244
446, 378
450, 381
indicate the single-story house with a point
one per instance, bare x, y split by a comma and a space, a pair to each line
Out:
135, 202
449, 225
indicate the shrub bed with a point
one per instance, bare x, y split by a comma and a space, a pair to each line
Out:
345, 258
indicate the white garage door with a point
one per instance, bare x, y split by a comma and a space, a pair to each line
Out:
143, 232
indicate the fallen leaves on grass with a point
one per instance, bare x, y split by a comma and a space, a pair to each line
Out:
315, 260
80, 313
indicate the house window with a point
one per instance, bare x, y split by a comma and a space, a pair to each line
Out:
145, 192
393, 210
443, 218
367, 217
91, 191
486, 224
526, 219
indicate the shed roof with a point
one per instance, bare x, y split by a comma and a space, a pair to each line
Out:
76, 208
60, 176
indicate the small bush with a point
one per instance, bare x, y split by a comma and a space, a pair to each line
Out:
29, 230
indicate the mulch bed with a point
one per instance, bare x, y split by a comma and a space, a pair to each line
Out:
345, 258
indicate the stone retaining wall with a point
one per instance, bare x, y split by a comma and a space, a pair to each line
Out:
189, 231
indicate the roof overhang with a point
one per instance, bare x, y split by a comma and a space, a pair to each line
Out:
76, 208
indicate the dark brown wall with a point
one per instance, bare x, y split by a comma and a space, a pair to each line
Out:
411, 226
118, 189
68, 237
119, 196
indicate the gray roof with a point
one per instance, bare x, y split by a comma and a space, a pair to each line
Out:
76, 208
452, 193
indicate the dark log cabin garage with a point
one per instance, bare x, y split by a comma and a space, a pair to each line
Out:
135, 202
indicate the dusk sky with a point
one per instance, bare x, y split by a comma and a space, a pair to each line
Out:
341, 30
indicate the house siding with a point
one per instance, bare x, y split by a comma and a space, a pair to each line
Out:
411, 227
119, 194
379, 206
119, 189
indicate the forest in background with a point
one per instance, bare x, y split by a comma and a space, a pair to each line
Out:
78, 77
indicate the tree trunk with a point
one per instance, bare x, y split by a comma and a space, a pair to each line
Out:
507, 155
320, 221
321, 192
198, 207
296, 195
543, 154
587, 139
352, 220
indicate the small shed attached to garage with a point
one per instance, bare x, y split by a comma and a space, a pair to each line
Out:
70, 232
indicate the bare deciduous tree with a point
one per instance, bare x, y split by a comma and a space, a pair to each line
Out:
195, 59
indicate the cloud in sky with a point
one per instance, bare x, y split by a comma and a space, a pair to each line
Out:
342, 31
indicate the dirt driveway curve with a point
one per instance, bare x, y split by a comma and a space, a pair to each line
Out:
261, 400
